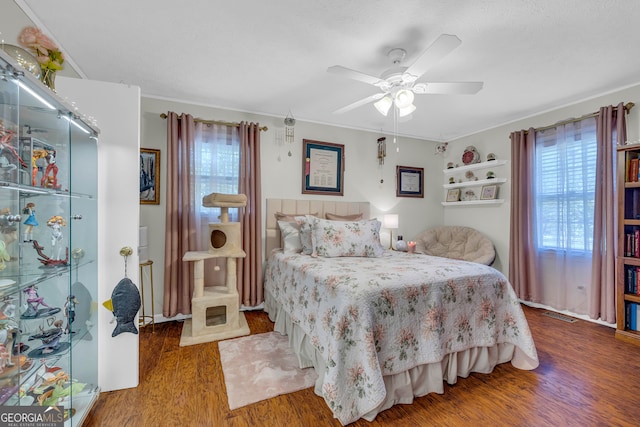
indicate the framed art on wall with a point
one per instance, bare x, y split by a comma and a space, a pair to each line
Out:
322, 168
409, 181
149, 176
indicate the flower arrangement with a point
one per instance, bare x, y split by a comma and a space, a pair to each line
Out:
46, 52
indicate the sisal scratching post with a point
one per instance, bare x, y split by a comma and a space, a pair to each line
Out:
215, 310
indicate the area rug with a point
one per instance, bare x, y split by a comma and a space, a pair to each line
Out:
259, 367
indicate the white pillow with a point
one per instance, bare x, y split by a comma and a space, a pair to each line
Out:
346, 238
290, 232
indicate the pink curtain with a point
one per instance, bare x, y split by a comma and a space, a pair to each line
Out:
250, 268
611, 130
180, 234
522, 250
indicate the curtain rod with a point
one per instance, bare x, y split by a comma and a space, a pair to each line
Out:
217, 122
627, 107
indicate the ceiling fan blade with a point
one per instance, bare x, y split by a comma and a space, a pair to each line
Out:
434, 53
352, 74
357, 104
449, 88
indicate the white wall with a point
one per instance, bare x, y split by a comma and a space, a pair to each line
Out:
282, 174
117, 110
495, 220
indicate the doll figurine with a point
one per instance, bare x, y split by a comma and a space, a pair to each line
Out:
55, 224
70, 312
34, 301
50, 177
30, 222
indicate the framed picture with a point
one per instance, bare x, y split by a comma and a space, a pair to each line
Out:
453, 195
322, 168
409, 181
149, 176
489, 192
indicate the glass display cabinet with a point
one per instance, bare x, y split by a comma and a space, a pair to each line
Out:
48, 249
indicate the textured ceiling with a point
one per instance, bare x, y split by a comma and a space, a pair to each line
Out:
271, 57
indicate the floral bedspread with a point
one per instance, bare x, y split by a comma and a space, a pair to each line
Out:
371, 317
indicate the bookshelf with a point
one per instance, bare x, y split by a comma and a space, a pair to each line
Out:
628, 247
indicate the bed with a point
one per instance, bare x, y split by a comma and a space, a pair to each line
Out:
384, 328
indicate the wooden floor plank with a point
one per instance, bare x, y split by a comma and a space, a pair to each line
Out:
586, 378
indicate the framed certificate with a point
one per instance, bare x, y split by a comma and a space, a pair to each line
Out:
409, 181
322, 168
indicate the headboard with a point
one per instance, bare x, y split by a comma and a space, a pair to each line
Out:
293, 206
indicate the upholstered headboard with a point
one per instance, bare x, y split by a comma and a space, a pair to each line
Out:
302, 207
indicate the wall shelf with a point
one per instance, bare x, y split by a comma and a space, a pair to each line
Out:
474, 202
474, 166
476, 183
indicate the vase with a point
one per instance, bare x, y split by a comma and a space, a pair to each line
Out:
24, 58
48, 77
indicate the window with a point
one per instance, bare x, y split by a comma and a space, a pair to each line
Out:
564, 191
215, 165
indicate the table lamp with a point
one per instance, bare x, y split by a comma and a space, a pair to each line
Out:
390, 221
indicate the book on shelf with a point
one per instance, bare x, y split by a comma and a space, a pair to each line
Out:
632, 316
632, 243
633, 170
632, 280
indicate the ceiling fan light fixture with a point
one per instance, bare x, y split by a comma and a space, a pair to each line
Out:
405, 111
404, 98
383, 105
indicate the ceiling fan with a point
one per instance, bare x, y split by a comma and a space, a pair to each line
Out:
399, 83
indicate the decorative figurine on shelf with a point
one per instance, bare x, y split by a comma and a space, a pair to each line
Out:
50, 177
70, 312
34, 301
35, 167
30, 222
5, 358
6, 149
55, 224
491, 175
491, 157
7, 308
50, 340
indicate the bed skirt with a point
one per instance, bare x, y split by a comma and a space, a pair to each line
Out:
401, 388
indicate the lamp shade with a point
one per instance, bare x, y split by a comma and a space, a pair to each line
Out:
405, 111
383, 105
404, 98
390, 221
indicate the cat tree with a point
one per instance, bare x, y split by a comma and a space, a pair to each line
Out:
215, 310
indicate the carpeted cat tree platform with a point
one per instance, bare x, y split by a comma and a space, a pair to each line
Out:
215, 310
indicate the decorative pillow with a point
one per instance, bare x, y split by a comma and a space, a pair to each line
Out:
290, 232
303, 230
335, 217
346, 238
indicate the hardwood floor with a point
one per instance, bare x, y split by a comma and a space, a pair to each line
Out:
586, 377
